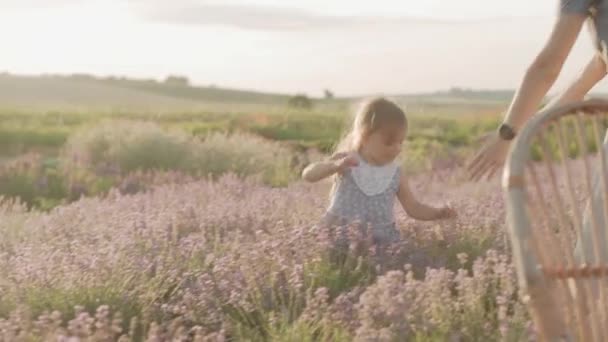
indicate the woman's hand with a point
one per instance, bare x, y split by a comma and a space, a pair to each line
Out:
490, 158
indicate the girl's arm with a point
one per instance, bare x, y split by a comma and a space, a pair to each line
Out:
417, 210
323, 169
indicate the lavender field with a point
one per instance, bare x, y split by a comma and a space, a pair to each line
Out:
232, 259
143, 226
161, 175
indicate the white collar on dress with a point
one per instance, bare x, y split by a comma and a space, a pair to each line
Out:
372, 179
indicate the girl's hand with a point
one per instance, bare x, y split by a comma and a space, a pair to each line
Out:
446, 213
344, 161
338, 163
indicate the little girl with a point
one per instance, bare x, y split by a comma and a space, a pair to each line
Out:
368, 176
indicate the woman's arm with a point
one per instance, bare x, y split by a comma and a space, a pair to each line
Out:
544, 70
539, 77
593, 72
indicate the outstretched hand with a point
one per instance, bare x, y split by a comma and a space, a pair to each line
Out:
489, 159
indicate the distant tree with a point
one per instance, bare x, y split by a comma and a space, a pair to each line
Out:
328, 94
177, 80
82, 77
460, 91
300, 101
455, 90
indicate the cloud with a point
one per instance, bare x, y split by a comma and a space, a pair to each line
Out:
269, 18
25, 4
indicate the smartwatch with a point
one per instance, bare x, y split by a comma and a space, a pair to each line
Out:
506, 132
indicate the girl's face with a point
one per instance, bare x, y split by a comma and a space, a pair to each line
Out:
384, 145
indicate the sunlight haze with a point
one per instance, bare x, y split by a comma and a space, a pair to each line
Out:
353, 48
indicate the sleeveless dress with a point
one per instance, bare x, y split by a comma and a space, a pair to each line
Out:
364, 196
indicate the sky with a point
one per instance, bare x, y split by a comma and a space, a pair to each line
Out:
352, 48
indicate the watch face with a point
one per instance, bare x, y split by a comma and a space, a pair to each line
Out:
506, 132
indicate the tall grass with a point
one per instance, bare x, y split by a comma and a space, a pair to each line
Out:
238, 260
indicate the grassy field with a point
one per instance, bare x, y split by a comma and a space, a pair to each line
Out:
151, 211
40, 112
39, 116
433, 140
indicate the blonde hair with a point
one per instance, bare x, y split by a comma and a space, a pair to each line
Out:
373, 114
